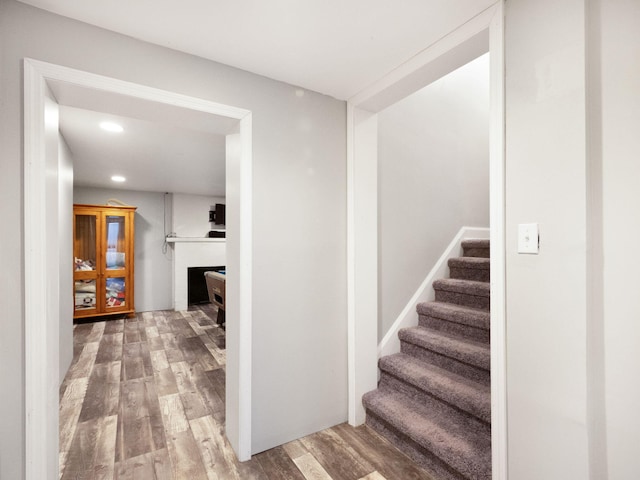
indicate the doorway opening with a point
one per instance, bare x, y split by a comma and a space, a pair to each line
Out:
42, 259
482, 34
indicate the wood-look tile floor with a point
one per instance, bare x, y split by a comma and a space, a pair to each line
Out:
144, 399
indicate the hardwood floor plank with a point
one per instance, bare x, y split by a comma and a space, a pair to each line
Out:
152, 331
114, 326
154, 465
159, 360
96, 332
103, 392
104, 461
186, 461
374, 476
80, 332
383, 456
336, 461
140, 421
165, 382
173, 416
217, 457
310, 467
218, 380
155, 343
277, 464
110, 349
131, 332
82, 368
215, 404
295, 449
79, 461
137, 361
155, 415
70, 408
194, 403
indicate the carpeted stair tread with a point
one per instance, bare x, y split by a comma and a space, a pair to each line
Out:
464, 350
463, 393
479, 263
456, 313
475, 243
464, 450
467, 287
476, 247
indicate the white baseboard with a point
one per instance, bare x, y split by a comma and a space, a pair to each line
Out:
390, 343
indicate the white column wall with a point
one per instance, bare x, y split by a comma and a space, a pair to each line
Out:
619, 44
546, 293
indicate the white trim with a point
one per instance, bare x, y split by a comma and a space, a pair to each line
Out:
486, 27
362, 168
390, 343
194, 240
36, 75
35, 292
497, 205
245, 307
467, 42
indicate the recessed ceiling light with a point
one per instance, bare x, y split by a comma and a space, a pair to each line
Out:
118, 178
111, 127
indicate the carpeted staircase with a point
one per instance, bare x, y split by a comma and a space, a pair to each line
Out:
433, 399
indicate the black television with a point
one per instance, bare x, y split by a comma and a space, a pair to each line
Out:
217, 215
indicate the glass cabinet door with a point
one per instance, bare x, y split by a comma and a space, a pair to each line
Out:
84, 262
115, 242
116, 261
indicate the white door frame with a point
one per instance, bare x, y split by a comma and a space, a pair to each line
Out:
40, 402
483, 33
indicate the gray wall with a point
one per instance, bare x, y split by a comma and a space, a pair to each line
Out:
433, 160
299, 178
153, 267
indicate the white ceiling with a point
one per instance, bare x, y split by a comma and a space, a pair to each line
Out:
163, 148
335, 47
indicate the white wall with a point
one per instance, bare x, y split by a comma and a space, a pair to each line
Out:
546, 293
618, 53
433, 160
153, 262
299, 144
191, 214
65, 235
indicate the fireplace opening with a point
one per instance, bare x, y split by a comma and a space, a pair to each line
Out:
197, 284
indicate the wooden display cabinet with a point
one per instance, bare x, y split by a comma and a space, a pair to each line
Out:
103, 240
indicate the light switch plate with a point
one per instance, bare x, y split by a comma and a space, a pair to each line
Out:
528, 238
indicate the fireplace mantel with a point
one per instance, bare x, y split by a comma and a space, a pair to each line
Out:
195, 240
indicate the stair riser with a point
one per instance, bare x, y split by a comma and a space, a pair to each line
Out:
438, 405
466, 300
475, 252
422, 456
465, 331
476, 274
470, 371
